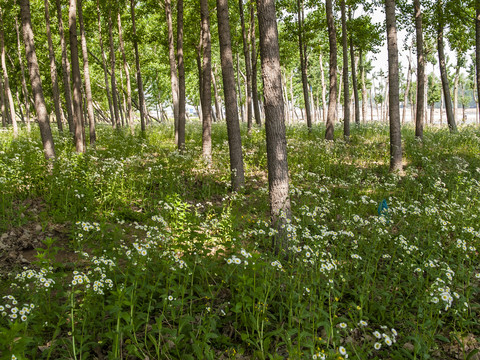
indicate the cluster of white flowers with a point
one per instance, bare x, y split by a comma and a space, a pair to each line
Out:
388, 339
12, 311
39, 278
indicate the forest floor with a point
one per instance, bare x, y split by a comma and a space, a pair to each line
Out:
136, 251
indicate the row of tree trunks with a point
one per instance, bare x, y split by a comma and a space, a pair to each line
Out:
6, 84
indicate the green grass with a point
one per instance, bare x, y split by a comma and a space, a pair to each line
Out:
157, 258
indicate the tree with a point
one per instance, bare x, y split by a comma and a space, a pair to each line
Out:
346, 93
477, 46
231, 110
173, 66
393, 88
86, 76
443, 68
104, 65
303, 61
181, 77
129, 114
274, 122
36, 81
419, 120
141, 95
332, 94
6, 82
77, 80
256, 107
65, 70
22, 71
112, 71
206, 93
53, 70
248, 65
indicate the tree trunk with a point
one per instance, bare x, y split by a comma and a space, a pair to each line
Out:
394, 108
324, 89
455, 88
303, 62
443, 70
248, 67
24, 83
407, 87
129, 112
112, 71
86, 76
36, 81
364, 87
104, 65
141, 95
346, 92
4, 109
65, 71
256, 107
77, 80
240, 99
206, 82
477, 50
419, 119
181, 77
231, 111
332, 95
218, 110
173, 66
6, 83
274, 123
354, 74
53, 70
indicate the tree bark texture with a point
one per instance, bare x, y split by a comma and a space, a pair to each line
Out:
393, 99
332, 95
346, 92
77, 80
231, 111
36, 81
407, 87
419, 120
206, 82
274, 122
